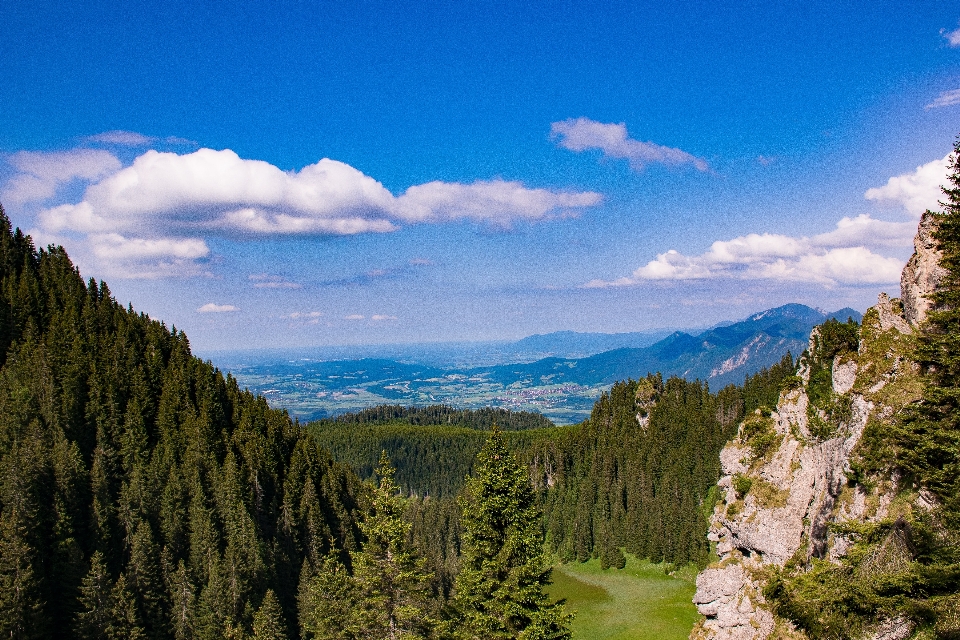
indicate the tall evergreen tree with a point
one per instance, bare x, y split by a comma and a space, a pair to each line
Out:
931, 440
392, 585
499, 593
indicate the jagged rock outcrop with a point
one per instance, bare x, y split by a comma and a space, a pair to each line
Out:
785, 475
785, 479
922, 273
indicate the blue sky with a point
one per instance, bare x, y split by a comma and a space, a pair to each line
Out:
330, 173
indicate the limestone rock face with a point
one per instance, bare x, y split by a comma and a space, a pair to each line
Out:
922, 274
794, 488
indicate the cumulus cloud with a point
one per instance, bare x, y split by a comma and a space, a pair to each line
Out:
39, 174
211, 307
581, 134
167, 197
945, 99
774, 257
916, 191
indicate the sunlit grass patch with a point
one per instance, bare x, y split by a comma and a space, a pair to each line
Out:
639, 602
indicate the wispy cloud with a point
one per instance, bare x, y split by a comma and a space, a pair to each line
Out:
945, 99
354, 316
953, 37
381, 318
124, 138
267, 281
582, 134
916, 191
39, 174
211, 307
134, 139
304, 317
171, 197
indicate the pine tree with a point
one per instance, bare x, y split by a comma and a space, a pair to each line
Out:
499, 591
19, 608
326, 602
392, 584
268, 620
931, 438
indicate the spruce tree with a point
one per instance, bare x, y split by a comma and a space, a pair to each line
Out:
326, 602
391, 581
931, 438
268, 620
499, 591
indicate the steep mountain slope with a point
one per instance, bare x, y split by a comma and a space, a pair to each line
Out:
142, 493
721, 356
830, 525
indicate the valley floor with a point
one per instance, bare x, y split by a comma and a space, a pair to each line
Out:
639, 602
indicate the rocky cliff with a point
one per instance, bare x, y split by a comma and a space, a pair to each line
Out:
785, 483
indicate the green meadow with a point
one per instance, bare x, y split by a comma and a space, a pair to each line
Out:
639, 602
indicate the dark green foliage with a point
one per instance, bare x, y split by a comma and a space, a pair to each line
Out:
831, 339
742, 484
606, 485
762, 390
431, 459
500, 587
142, 493
387, 595
483, 419
619, 484
268, 620
931, 438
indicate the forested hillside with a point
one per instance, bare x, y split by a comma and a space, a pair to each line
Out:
142, 493
636, 476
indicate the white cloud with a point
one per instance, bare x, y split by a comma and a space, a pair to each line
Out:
945, 99
916, 191
40, 174
125, 257
267, 281
125, 138
207, 193
211, 307
497, 202
838, 257
304, 317
866, 231
379, 317
354, 316
953, 37
581, 134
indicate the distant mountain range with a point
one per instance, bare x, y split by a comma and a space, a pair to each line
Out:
559, 374
720, 355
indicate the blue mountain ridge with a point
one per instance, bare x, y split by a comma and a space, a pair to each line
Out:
562, 388
722, 355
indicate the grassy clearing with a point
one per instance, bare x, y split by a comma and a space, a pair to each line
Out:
639, 602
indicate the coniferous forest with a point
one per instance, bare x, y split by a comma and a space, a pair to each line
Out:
144, 494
